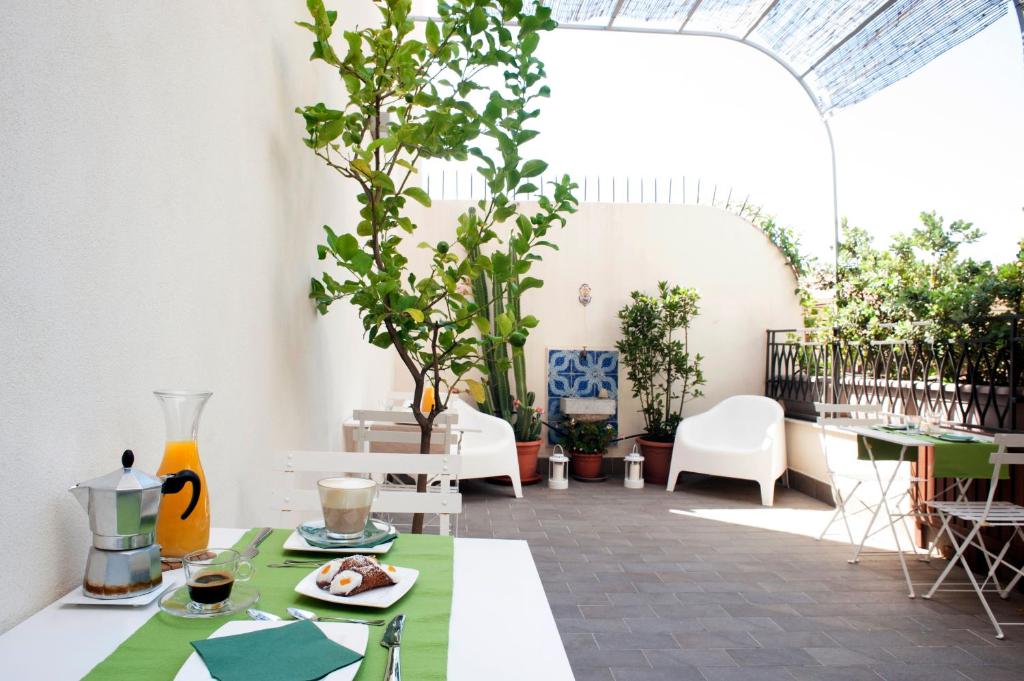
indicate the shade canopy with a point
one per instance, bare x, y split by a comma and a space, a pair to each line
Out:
842, 51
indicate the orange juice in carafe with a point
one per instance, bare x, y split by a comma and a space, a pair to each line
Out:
178, 537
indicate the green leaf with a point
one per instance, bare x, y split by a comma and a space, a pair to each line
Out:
433, 34
529, 321
530, 42
418, 194
505, 324
361, 263
346, 246
476, 389
533, 168
530, 282
482, 323
477, 20
417, 315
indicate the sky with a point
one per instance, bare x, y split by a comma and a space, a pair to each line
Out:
947, 138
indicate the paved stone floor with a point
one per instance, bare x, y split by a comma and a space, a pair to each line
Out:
706, 585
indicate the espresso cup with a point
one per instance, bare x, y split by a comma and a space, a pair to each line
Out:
346, 503
210, 574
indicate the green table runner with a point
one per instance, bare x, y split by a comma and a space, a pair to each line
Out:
952, 459
158, 649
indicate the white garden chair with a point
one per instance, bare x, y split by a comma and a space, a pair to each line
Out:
982, 514
297, 499
848, 474
740, 437
487, 444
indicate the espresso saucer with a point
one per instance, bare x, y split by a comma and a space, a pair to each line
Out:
177, 602
375, 532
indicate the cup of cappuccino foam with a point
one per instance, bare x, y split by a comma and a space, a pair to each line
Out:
346, 504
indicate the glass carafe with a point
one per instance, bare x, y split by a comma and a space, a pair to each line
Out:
178, 537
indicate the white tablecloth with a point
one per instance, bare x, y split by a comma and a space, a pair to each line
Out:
501, 625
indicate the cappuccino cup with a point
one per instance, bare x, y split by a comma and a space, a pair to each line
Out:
346, 504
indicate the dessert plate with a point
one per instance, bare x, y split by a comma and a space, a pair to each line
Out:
78, 597
176, 602
352, 636
374, 598
955, 437
315, 534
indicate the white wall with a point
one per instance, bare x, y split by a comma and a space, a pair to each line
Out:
158, 217
743, 280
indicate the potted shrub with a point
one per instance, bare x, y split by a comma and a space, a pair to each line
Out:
655, 350
586, 442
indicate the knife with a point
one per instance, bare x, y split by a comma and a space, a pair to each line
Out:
391, 640
250, 551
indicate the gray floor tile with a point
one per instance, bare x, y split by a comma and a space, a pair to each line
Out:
771, 657
701, 657
746, 673
835, 656
635, 641
676, 674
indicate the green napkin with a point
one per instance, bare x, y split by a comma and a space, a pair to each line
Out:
293, 652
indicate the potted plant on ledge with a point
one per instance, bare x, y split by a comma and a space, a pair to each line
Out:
655, 350
586, 442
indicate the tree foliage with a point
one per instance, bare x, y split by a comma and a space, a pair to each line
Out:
923, 286
412, 97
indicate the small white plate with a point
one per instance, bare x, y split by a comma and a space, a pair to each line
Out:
78, 597
352, 636
374, 598
295, 542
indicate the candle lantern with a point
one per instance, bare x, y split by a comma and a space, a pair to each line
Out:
634, 470
558, 469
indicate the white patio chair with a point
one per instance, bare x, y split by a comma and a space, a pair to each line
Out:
487, 444
982, 514
844, 469
297, 498
740, 437
846, 475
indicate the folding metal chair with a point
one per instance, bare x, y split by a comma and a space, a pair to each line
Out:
982, 514
853, 472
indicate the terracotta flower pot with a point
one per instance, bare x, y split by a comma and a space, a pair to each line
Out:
586, 465
657, 458
527, 452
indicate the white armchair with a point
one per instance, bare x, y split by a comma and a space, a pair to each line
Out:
740, 437
488, 445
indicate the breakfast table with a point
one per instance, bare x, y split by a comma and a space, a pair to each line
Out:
499, 625
944, 455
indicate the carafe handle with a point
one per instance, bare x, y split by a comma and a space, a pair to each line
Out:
176, 482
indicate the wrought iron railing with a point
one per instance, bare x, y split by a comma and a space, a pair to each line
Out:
974, 384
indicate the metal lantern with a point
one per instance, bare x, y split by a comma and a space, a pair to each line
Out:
634, 470
558, 469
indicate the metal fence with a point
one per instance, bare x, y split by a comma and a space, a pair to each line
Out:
973, 384
467, 185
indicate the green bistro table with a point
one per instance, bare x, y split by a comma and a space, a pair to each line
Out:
938, 458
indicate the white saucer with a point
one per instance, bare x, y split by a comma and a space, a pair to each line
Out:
78, 597
374, 598
295, 542
352, 636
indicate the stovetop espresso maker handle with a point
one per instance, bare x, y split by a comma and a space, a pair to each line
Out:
176, 482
